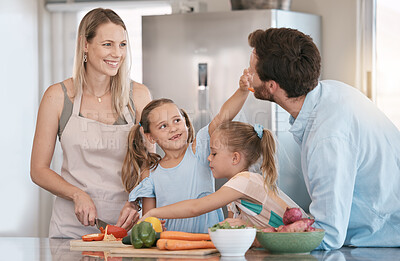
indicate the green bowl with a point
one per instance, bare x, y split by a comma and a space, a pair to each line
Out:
286, 242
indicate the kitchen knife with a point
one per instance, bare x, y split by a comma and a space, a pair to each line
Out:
100, 223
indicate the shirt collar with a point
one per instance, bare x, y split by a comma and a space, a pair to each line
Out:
299, 124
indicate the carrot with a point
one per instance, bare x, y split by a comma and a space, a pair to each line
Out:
172, 244
251, 89
184, 236
161, 244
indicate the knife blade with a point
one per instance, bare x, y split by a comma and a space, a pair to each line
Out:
100, 223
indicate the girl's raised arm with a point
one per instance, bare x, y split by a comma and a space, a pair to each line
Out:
231, 107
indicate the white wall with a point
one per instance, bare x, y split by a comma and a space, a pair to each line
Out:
19, 104
339, 31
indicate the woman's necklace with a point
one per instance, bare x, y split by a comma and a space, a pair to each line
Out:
98, 97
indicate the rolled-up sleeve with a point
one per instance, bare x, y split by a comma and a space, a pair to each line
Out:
330, 172
145, 189
203, 145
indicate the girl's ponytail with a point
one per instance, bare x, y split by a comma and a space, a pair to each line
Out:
189, 126
268, 165
136, 159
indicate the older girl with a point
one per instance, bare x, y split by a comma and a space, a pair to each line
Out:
183, 173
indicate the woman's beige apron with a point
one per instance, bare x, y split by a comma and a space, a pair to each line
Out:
93, 153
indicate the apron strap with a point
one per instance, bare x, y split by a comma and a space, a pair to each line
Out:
77, 103
127, 115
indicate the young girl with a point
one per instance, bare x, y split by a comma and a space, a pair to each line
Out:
183, 173
255, 199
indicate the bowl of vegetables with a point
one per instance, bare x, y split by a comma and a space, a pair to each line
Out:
296, 235
232, 240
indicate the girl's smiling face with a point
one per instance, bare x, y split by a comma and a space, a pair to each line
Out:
167, 127
107, 50
221, 158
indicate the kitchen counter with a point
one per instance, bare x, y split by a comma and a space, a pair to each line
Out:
29, 248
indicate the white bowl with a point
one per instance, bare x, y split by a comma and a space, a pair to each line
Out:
233, 242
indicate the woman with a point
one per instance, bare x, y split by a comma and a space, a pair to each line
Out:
91, 113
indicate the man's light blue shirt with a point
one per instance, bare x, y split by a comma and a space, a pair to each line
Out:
350, 157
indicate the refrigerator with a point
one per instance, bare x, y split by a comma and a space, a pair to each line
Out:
196, 59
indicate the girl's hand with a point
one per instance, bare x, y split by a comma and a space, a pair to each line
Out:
85, 210
148, 214
245, 81
163, 225
128, 216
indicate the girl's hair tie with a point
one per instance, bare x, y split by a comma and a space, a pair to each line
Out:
259, 129
140, 125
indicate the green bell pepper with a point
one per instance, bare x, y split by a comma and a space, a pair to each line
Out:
143, 235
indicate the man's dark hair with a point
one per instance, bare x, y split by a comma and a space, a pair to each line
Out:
288, 57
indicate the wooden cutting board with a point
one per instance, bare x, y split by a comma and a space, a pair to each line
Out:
79, 244
117, 248
155, 252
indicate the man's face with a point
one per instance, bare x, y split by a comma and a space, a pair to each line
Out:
260, 88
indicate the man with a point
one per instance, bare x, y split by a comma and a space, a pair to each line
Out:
350, 151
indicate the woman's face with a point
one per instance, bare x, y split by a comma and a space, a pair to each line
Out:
167, 127
107, 50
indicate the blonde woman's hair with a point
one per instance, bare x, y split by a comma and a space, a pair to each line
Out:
138, 157
241, 137
120, 83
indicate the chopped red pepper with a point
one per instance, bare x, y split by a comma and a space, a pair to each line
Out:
118, 232
93, 237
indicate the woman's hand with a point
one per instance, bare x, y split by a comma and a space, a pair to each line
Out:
85, 210
128, 217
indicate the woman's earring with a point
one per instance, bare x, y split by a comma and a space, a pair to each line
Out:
85, 58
